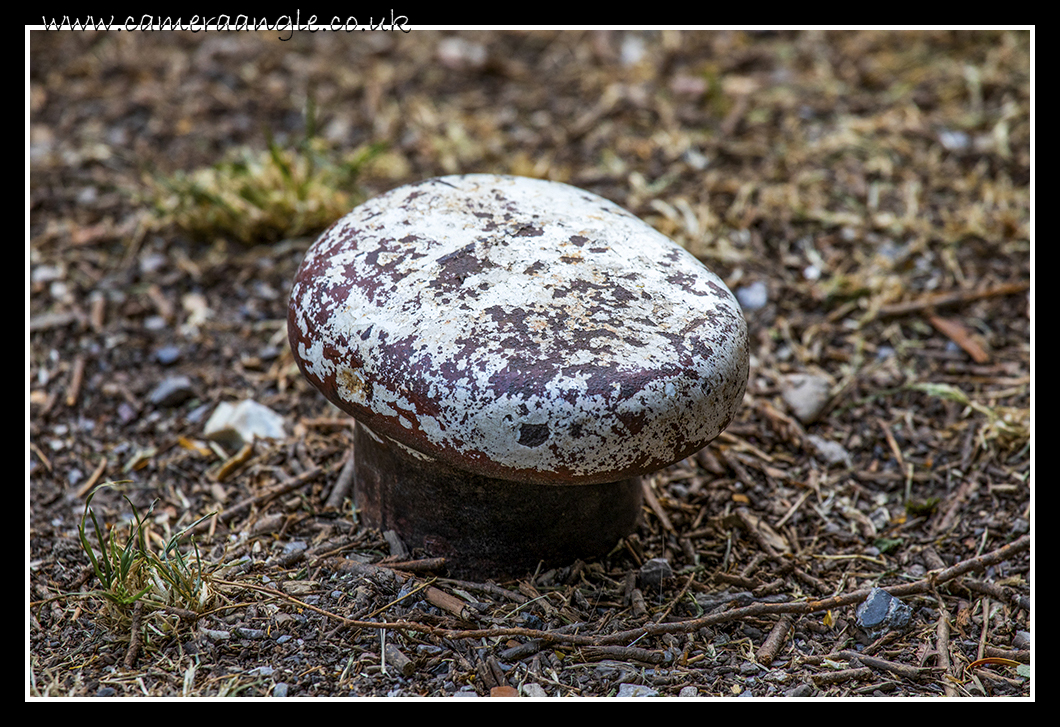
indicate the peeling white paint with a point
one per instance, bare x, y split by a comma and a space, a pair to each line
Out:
520, 329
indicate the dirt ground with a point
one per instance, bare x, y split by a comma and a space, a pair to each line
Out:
866, 194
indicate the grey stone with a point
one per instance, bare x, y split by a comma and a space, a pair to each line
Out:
833, 453
173, 391
653, 572
635, 690
806, 395
534, 690
881, 612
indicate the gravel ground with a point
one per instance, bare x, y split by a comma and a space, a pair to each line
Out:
865, 194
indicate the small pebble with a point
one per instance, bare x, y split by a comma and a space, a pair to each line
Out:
234, 425
633, 50
45, 274
881, 612
295, 546
167, 355
215, 634
653, 572
954, 140
461, 54
396, 545
152, 262
532, 689
692, 86
172, 392
126, 412
155, 323
753, 296
635, 690
833, 453
806, 395
880, 517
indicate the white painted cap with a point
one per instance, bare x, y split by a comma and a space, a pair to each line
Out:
519, 329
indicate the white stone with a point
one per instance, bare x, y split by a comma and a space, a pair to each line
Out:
237, 424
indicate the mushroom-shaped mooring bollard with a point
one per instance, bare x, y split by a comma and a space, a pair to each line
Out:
516, 353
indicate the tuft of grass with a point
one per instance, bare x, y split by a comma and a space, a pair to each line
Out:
263, 196
1008, 427
130, 571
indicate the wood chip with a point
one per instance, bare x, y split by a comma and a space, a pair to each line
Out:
959, 334
448, 603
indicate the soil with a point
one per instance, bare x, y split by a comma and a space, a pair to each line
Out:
866, 194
